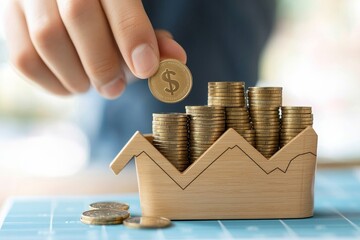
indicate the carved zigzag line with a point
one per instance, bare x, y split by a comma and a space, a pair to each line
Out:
229, 148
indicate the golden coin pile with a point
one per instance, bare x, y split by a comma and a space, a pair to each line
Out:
170, 132
110, 213
294, 119
207, 124
264, 103
238, 118
184, 138
226, 94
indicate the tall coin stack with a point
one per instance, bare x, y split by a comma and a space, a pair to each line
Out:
231, 95
207, 124
239, 119
294, 119
226, 94
264, 103
171, 137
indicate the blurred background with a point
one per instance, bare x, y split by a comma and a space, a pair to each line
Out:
314, 54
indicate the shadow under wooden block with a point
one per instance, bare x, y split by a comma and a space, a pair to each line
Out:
231, 180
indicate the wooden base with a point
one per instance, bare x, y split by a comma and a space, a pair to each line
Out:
231, 180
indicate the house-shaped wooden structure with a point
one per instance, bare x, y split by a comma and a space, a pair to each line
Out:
231, 180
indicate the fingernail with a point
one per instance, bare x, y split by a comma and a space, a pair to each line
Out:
113, 89
145, 61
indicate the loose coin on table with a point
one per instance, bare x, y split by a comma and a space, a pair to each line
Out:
172, 82
147, 222
104, 216
109, 205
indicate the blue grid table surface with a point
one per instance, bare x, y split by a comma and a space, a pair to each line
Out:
337, 216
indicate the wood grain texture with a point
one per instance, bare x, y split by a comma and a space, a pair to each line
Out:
231, 180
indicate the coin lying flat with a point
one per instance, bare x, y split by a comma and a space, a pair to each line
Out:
104, 216
109, 205
172, 82
147, 222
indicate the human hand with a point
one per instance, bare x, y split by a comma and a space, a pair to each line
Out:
67, 45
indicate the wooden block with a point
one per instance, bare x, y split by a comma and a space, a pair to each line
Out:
231, 180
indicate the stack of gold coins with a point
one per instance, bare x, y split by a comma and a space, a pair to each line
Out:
294, 119
104, 216
170, 132
264, 103
238, 118
226, 94
207, 124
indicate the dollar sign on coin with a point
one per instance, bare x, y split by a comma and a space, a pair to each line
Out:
172, 82
173, 85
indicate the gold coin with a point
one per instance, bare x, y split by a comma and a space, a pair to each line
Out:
204, 108
290, 130
236, 112
302, 109
296, 115
172, 82
169, 132
207, 116
233, 88
171, 146
203, 139
265, 96
226, 83
265, 89
170, 120
170, 115
297, 126
237, 115
228, 99
264, 111
238, 122
109, 205
147, 222
246, 125
104, 216
238, 95
177, 150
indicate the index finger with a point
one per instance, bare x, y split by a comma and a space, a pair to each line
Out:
134, 35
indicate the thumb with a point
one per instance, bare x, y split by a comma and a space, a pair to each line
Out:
134, 35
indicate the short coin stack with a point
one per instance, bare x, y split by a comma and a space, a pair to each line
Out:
207, 124
226, 94
170, 132
264, 103
238, 118
110, 213
105, 213
294, 119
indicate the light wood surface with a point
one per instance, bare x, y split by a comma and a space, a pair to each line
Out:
231, 180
